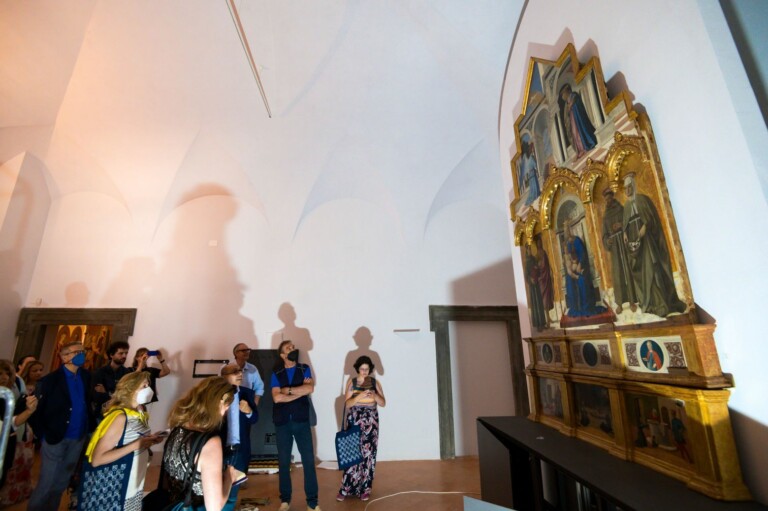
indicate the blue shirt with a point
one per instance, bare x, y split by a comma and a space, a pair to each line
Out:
289, 373
252, 379
233, 421
78, 419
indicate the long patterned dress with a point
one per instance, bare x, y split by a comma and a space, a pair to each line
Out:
18, 481
358, 479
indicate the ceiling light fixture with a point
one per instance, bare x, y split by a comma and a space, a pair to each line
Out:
248, 54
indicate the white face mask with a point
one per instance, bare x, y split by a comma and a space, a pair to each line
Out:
144, 396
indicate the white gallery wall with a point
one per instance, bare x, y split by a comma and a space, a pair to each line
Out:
678, 61
372, 193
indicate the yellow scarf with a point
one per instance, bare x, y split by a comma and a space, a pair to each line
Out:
103, 426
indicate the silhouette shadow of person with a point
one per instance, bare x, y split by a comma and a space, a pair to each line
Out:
300, 336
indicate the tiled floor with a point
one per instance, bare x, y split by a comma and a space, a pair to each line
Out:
392, 477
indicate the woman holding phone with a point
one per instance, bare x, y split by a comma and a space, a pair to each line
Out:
364, 396
140, 363
117, 454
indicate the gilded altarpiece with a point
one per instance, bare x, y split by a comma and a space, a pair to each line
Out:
620, 354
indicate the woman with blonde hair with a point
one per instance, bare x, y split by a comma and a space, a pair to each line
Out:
193, 456
117, 455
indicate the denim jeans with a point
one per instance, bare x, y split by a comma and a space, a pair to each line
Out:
286, 434
230, 454
57, 464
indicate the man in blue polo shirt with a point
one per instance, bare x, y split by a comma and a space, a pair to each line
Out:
291, 386
63, 419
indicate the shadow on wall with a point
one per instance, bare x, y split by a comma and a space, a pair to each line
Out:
493, 285
133, 284
76, 295
24, 206
748, 432
189, 303
291, 332
363, 339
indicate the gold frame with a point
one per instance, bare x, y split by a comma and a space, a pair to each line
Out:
638, 357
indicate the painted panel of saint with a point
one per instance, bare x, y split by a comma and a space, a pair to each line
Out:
593, 407
647, 254
578, 128
528, 170
539, 283
613, 241
582, 298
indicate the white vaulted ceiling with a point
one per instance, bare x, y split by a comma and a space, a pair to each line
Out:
391, 102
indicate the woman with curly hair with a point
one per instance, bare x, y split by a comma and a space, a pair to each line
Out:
195, 420
117, 454
364, 395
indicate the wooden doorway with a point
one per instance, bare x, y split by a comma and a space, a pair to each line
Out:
439, 317
90, 326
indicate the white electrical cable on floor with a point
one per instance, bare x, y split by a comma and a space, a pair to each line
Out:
423, 492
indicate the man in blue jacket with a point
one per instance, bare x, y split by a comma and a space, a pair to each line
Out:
236, 433
63, 420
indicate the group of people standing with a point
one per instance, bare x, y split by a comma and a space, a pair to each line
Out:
211, 425
58, 412
104, 415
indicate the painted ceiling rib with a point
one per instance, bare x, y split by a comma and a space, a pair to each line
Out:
248, 54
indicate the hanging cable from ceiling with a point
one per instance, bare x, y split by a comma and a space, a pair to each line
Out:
247, 47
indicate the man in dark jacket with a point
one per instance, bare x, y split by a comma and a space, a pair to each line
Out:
236, 431
105, 378
63, 420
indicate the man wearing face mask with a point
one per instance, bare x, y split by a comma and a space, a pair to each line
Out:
292, 383
105, 378
63, 420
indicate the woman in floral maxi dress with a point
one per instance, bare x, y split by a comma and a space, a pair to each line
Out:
363, 397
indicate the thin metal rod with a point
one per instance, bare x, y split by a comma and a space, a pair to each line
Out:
248, 54
10, 402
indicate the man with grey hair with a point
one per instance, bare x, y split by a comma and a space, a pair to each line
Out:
251, 377
649, 260
63, 420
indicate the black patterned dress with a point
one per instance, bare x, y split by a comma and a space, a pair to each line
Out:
358, 479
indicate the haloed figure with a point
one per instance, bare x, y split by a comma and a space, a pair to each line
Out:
363, 397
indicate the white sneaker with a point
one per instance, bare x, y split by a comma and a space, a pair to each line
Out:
316, 508
284, 506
